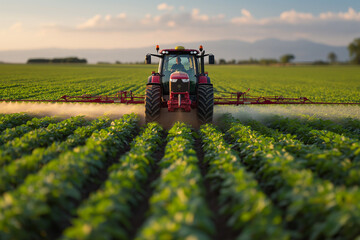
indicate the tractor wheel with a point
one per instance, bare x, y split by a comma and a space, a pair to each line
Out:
152, 102
205, 103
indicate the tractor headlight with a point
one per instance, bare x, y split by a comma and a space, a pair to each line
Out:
183, 80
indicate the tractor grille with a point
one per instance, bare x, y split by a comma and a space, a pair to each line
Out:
177, 85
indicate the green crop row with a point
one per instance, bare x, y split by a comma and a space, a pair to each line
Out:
330, 125
13, 174
330, 83
11, 133
177, 207
239, 194
352, 125
44, 201
39, 138
330, 164
324, 139
313, 208
106, 214
13, 120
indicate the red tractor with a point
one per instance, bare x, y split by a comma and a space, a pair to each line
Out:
181, 83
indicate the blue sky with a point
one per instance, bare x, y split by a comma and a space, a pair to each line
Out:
117, 23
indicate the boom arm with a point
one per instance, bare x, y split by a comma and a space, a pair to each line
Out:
232, 98
242, 98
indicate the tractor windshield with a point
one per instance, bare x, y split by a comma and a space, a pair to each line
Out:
172, 60
179, 62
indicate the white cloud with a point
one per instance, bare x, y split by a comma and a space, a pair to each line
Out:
195, 14
292, 16
16, 27
102, 22
121, 16
109, 31
246, 13
171, 24
245, 18
165, 6
351, 14
92, 22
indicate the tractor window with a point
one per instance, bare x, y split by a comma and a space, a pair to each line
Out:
186, 60
170, 65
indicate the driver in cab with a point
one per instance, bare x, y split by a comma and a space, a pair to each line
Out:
178, 66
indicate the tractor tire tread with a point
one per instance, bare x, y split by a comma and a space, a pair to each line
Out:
205, 103
152, 102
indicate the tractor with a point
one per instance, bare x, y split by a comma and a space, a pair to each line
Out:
181, 83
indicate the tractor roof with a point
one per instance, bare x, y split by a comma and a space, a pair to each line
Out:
178, 50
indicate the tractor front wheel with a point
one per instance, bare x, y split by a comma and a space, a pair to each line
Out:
152, 102
205, 103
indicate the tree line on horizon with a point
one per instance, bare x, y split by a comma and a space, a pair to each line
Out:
353, 48
56, 60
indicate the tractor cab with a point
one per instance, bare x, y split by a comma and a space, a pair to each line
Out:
179, 62
180, 74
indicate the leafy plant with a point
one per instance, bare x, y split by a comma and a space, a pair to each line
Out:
177, 207
39, 138
107, 212
15, 173
11, 133
240, 198
44, 200
311, 204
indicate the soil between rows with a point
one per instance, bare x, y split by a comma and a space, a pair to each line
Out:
139, 213
222, 231
91, 186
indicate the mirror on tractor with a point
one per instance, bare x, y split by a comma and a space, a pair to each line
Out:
211, 59
148, 59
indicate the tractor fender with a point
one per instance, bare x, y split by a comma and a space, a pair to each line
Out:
154, 78
206, 84
204, 79
150, 83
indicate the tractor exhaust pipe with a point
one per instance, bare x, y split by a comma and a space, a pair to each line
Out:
202, 62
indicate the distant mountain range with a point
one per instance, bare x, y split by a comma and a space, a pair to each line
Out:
303, 50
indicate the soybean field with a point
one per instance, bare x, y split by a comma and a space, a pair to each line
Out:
318, 83
282, 172
111, 179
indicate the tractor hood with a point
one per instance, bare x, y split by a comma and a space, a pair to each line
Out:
179, 75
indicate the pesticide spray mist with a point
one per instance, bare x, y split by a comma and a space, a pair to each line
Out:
263, 112
66, 110
167, 119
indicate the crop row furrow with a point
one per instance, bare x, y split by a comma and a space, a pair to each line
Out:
240, 197
37, 208
11, 133
177, 207
322, 138
39, 138
13, 120
14, 174
106, 213
313, 208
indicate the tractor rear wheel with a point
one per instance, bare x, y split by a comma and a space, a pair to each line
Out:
152, 102
205, 103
